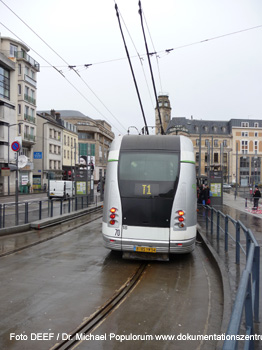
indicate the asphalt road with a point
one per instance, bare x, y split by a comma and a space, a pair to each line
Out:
50, 288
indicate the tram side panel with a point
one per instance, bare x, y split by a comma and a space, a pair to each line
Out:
112, 202
183, 234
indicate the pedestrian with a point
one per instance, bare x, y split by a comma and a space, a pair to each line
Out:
256, 196
208, 201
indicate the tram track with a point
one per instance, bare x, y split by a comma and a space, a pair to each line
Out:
98, 216
96, 319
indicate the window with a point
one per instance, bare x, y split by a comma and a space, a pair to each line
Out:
19, 69
244, 133
19, 89
206, 142
26, 112
215, 157
225, 143
206, 128
158, 170
197, 157
255, 146
256, 134
26, 93
244, 124
197, 142
215, 143
4, 83
244, 147
256, 125
19, 109
13, 50
215, 128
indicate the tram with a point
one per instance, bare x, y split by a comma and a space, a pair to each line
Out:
150, 202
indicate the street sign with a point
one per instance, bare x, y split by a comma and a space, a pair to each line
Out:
37, 155
15, 146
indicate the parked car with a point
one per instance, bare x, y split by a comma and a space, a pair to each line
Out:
226, 187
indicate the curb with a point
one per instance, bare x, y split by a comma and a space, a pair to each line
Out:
40, 224
227, 305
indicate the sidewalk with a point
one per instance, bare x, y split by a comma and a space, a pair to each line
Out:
242, 204
239, 209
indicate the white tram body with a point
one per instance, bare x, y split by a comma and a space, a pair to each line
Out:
150, 202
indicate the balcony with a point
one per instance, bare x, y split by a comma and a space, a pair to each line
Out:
23, 55
29, 118
28, 137
29, 99
30, 80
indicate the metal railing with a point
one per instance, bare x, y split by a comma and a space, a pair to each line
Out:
30, 211
247, 296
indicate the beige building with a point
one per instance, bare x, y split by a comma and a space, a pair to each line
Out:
247, 151
18, 86
234, 146
94, 139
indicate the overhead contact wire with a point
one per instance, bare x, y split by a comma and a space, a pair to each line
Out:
130, 64
150, 66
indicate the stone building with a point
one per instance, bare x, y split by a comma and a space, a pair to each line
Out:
233, 146
94, 139
18, 86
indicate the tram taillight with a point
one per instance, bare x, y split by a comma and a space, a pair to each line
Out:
181, 218
112, 216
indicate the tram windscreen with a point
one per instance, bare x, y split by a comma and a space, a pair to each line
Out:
148, 174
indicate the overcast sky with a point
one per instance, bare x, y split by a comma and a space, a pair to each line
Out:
218, 79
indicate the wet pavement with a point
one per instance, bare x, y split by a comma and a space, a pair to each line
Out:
239, 208
52, 287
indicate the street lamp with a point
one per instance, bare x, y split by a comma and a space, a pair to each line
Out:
8, 151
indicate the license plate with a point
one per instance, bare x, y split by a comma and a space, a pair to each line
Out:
145, 249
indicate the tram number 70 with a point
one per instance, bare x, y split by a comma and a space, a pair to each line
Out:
117, 233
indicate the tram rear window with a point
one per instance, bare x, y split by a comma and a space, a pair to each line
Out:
147, 166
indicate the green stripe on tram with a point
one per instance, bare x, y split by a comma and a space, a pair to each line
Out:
188, 161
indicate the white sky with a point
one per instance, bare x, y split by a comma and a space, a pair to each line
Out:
214, 80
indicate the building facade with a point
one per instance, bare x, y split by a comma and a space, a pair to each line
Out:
234, 147
18, 86
94, 139
56, 150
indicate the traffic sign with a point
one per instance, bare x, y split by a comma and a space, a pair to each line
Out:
15, 146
